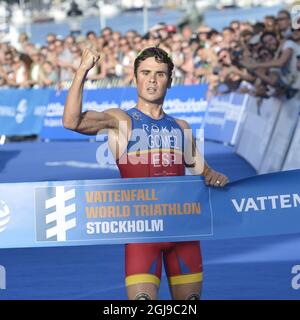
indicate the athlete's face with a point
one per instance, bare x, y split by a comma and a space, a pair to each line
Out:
152, 80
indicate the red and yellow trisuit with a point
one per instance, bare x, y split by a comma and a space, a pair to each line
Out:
155, 149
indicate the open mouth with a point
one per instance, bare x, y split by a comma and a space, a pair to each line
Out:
151, 90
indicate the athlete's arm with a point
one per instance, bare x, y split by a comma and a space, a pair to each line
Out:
195, 161
89, 122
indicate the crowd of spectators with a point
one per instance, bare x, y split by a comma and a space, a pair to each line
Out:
262, 59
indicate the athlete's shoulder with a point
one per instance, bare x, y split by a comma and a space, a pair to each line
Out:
117, 114
182, 123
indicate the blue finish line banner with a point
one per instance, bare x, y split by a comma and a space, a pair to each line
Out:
146, 210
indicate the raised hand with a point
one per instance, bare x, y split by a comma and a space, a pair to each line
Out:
89, 59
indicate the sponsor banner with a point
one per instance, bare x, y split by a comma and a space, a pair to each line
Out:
40, 111
146, 210
223, 117
53, 128
98, 100
22, 111
185, 102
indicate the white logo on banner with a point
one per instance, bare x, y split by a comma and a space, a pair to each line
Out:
21, 111
60, 214
296, 279
2, 278
4, 215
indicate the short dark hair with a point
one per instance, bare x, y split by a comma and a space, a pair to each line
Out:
90, 33
235, 21
270, 17
229, 29
160, 55
268, 33
286, 12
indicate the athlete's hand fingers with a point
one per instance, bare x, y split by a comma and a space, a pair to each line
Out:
89, 59
209, 178
216, 179
224, 181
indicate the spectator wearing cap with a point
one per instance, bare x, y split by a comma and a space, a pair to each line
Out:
171, 29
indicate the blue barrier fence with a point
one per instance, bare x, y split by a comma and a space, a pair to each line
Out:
44, 110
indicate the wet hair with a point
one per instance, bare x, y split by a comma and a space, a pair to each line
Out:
161, 56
